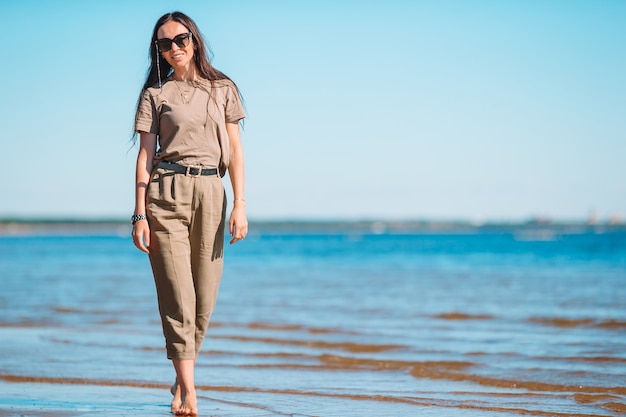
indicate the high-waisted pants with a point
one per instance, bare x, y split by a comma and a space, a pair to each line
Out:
186, 216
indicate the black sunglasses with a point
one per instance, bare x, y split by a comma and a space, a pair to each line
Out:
181, 40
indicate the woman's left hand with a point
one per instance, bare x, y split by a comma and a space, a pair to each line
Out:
238, 223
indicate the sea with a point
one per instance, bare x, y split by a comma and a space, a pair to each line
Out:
332, 319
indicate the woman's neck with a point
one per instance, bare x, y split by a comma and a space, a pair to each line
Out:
188, 73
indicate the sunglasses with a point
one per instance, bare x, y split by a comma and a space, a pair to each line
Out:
181, 41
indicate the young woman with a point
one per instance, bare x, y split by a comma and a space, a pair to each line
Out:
188, 121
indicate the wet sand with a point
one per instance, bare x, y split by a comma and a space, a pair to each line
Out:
274, 370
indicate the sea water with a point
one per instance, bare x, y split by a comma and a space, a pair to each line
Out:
332, 323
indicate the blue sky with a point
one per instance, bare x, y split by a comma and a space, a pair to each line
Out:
476, 110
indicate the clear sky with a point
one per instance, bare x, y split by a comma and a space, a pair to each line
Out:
440, 109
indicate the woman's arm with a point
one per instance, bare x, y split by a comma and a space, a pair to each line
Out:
238, 223
147, 150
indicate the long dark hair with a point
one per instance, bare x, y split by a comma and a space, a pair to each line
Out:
202, 52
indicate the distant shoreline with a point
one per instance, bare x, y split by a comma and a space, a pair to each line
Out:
24, 226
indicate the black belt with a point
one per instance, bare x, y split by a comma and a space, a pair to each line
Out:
187, 170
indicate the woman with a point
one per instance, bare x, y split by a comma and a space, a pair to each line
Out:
188, 121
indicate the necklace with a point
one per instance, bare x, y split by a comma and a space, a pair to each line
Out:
184, 95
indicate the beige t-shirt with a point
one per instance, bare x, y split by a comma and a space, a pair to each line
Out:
190, 125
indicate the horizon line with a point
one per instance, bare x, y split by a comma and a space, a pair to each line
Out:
424, 221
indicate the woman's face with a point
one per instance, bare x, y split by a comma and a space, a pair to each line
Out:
177, 57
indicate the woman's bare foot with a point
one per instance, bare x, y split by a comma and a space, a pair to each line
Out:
184, 377
190, 406
177, 402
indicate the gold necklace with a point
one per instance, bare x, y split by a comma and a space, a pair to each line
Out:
184, 95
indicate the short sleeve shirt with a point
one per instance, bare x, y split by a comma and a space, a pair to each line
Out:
189, 119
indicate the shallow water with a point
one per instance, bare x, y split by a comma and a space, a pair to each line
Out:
332, 324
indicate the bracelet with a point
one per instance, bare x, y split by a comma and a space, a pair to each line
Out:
240, 199
136, 217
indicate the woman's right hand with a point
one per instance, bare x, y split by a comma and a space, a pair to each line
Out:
145, 158
141, 235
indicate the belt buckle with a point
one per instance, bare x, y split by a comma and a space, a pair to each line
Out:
189, 174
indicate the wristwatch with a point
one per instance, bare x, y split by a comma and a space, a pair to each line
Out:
136, 217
